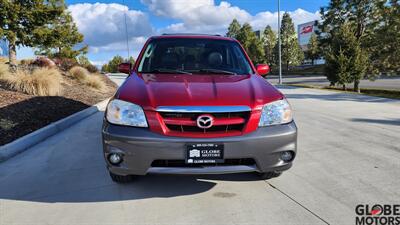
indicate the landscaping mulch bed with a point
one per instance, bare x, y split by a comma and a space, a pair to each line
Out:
21, 114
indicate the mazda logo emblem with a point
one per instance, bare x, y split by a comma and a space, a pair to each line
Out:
205, 121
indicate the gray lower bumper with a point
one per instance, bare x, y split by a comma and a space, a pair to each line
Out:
140, 147
203, 170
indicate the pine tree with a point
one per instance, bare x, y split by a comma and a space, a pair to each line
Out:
363, 17
20, 19
105, 68
131, 60
337, 67
291, 51
384, 43
59, 38
269, 39
83, 61
233, 29
313, 50
256, 51
250, 42
332, 17
113, 64
342, 69
346, 62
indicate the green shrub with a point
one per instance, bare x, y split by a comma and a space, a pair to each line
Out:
91, 68
65, 64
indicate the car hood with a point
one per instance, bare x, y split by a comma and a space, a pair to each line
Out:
153, 90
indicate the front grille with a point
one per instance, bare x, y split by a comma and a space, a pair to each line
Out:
181, 163
224, 122
224, 128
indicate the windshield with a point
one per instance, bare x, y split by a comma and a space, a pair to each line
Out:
193, 55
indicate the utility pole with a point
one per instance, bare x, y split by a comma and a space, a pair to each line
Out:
279, 42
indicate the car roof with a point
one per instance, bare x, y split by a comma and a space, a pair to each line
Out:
185, 35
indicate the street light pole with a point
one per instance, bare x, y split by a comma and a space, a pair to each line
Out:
126, 30
279, 42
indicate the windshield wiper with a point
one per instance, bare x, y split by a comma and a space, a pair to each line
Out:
162, 70
217, 71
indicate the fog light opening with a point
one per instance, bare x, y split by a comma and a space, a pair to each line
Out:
115, 158
287, 156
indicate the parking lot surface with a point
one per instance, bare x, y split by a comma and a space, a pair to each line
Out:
348, 154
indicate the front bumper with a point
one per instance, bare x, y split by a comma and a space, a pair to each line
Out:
140, 147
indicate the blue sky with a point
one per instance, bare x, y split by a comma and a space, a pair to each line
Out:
252, 6
102, 22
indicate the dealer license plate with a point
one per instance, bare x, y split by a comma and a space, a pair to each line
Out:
204, 153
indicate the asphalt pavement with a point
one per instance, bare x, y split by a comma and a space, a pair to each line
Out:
386, 83
348, 154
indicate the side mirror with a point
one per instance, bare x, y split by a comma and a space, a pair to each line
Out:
262, 69
125, 68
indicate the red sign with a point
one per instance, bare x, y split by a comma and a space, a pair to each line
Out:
306, 29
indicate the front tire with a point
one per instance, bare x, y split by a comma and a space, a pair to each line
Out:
121, 179
269, 175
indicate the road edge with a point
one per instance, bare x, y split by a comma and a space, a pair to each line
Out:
23, 143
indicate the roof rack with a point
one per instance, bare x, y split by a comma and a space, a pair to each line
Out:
191, 34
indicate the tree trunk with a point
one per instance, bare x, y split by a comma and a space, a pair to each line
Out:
312, 62
12, 57
344, 87
287, 66
357, 86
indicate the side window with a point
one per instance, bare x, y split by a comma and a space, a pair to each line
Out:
145, 63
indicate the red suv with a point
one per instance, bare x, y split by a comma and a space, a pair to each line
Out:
195, 104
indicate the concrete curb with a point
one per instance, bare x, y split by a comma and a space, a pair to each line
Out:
23, 143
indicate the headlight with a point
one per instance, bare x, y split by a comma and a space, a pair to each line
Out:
125, 113
278, 112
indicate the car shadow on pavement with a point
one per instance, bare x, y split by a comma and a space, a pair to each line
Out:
149, 186
99, 188
394, 122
